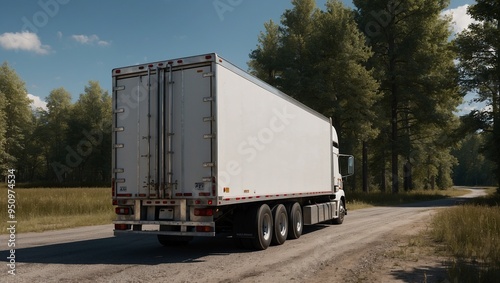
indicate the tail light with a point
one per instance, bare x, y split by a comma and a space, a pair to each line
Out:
122, 226
203, 212
203, 229
123, 210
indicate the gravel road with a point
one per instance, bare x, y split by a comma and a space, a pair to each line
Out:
93, 254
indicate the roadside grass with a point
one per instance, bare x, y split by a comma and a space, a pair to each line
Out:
358, 200
43, 209
470, 233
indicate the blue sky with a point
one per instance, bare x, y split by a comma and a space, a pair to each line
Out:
66, 43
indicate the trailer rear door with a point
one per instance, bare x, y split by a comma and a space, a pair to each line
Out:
162, 141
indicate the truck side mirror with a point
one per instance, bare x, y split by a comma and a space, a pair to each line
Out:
350, 165
346, 161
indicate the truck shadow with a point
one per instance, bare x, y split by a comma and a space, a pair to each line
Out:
140, 249
130, 249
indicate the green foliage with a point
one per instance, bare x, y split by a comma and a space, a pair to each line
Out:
478, 49
473, 167
413, 60
88, 138
66, 143
18, 126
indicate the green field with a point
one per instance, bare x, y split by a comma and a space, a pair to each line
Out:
45, 209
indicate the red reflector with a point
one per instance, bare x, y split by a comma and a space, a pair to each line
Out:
118, 71
150, 65
122, 226
115, 202
210, 202
208, 57
203, 212
141, 67
170, 62
203, 229
160, 64
122, 210
179, 61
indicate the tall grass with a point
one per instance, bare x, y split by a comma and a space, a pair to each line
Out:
55, 208
471, 233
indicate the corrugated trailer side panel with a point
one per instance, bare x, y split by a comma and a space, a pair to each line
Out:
268, 145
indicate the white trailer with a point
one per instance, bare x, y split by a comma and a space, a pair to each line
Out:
202, 147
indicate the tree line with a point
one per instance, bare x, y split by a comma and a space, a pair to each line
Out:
386, 73
66, 144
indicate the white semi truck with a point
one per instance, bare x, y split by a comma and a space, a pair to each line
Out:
201, 147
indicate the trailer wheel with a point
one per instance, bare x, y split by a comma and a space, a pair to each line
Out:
295, 220
342, 213
170, 241
280, 217
263, 227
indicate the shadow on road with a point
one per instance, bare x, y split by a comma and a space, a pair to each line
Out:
130, 249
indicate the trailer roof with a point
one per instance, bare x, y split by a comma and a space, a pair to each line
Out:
203, 59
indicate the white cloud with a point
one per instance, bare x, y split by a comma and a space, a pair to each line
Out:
461, 20
25, 41
37, 102
90, 39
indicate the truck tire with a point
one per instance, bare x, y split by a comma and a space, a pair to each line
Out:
339, 220
262, 227
280, 217
295, 221
170, 241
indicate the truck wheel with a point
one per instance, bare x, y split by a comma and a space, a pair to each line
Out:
340, 219
280, 224
170, 241
263, 227
295, 221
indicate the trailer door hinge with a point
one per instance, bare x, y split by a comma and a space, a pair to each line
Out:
207, 75
120, 87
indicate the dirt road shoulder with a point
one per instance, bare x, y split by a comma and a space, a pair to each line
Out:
404, 255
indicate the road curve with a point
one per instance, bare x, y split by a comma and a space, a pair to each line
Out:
93, 254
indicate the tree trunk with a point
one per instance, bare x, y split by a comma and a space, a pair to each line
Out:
365, 167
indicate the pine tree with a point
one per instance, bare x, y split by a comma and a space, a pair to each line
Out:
414, 63
478, 50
